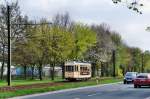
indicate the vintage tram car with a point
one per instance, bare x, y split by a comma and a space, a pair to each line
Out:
77, 70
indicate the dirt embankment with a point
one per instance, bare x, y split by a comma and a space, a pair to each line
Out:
31, 86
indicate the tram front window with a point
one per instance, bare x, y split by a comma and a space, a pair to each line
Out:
84, 71
69, 68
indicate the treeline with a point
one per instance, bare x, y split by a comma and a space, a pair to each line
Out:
36, 44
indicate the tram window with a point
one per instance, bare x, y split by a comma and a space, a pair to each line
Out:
76, 68
84, 71
69, 68
84, 68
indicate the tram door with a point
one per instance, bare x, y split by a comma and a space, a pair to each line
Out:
84, 70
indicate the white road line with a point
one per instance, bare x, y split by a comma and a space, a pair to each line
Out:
92, 95
147, 98
76, 98
64, 90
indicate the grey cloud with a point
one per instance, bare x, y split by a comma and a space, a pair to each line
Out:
128, 23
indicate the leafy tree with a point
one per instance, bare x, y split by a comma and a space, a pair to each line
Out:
51, 45
21, 56
124, 58
16, 30
84, 38
117, 43
136, 58
146, 61
61, 45
101, 52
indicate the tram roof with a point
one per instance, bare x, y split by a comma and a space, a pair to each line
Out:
77, 63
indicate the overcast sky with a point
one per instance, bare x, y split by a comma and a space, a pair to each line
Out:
128, 23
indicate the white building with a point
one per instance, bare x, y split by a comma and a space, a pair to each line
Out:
13, 69
46, 70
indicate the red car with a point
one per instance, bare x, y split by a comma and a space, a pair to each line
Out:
143, 79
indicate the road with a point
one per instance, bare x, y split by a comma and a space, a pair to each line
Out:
113, 91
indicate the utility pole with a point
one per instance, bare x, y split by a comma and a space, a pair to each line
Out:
114, 62
9, 47
142, 69
9, 43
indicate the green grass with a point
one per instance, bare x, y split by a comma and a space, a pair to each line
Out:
28, 82
54, 88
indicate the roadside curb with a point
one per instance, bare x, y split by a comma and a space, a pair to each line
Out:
63, 90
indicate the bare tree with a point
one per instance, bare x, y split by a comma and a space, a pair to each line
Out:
62, 20
16, 30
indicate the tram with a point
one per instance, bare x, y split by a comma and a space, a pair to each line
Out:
77, 70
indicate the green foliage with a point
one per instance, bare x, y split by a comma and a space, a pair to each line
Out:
84, 38
146, 61
43, 44
92, 82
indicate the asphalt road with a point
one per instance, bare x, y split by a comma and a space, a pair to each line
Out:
114, 91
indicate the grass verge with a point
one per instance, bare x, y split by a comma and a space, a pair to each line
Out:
66, 85
28, 82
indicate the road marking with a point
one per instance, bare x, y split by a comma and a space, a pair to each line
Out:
147, 98
64, 90
92, 95
76, 98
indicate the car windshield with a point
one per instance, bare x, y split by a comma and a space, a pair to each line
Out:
142, 76
130, 74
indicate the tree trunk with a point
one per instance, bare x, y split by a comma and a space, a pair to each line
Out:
40, 72
107, 67
114, 63
102, 69
3, 63
142, 68
25, 72
52, 71
93, 69
63, 70
32, 72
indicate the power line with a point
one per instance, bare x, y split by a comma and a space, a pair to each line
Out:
9, 42
49, 23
